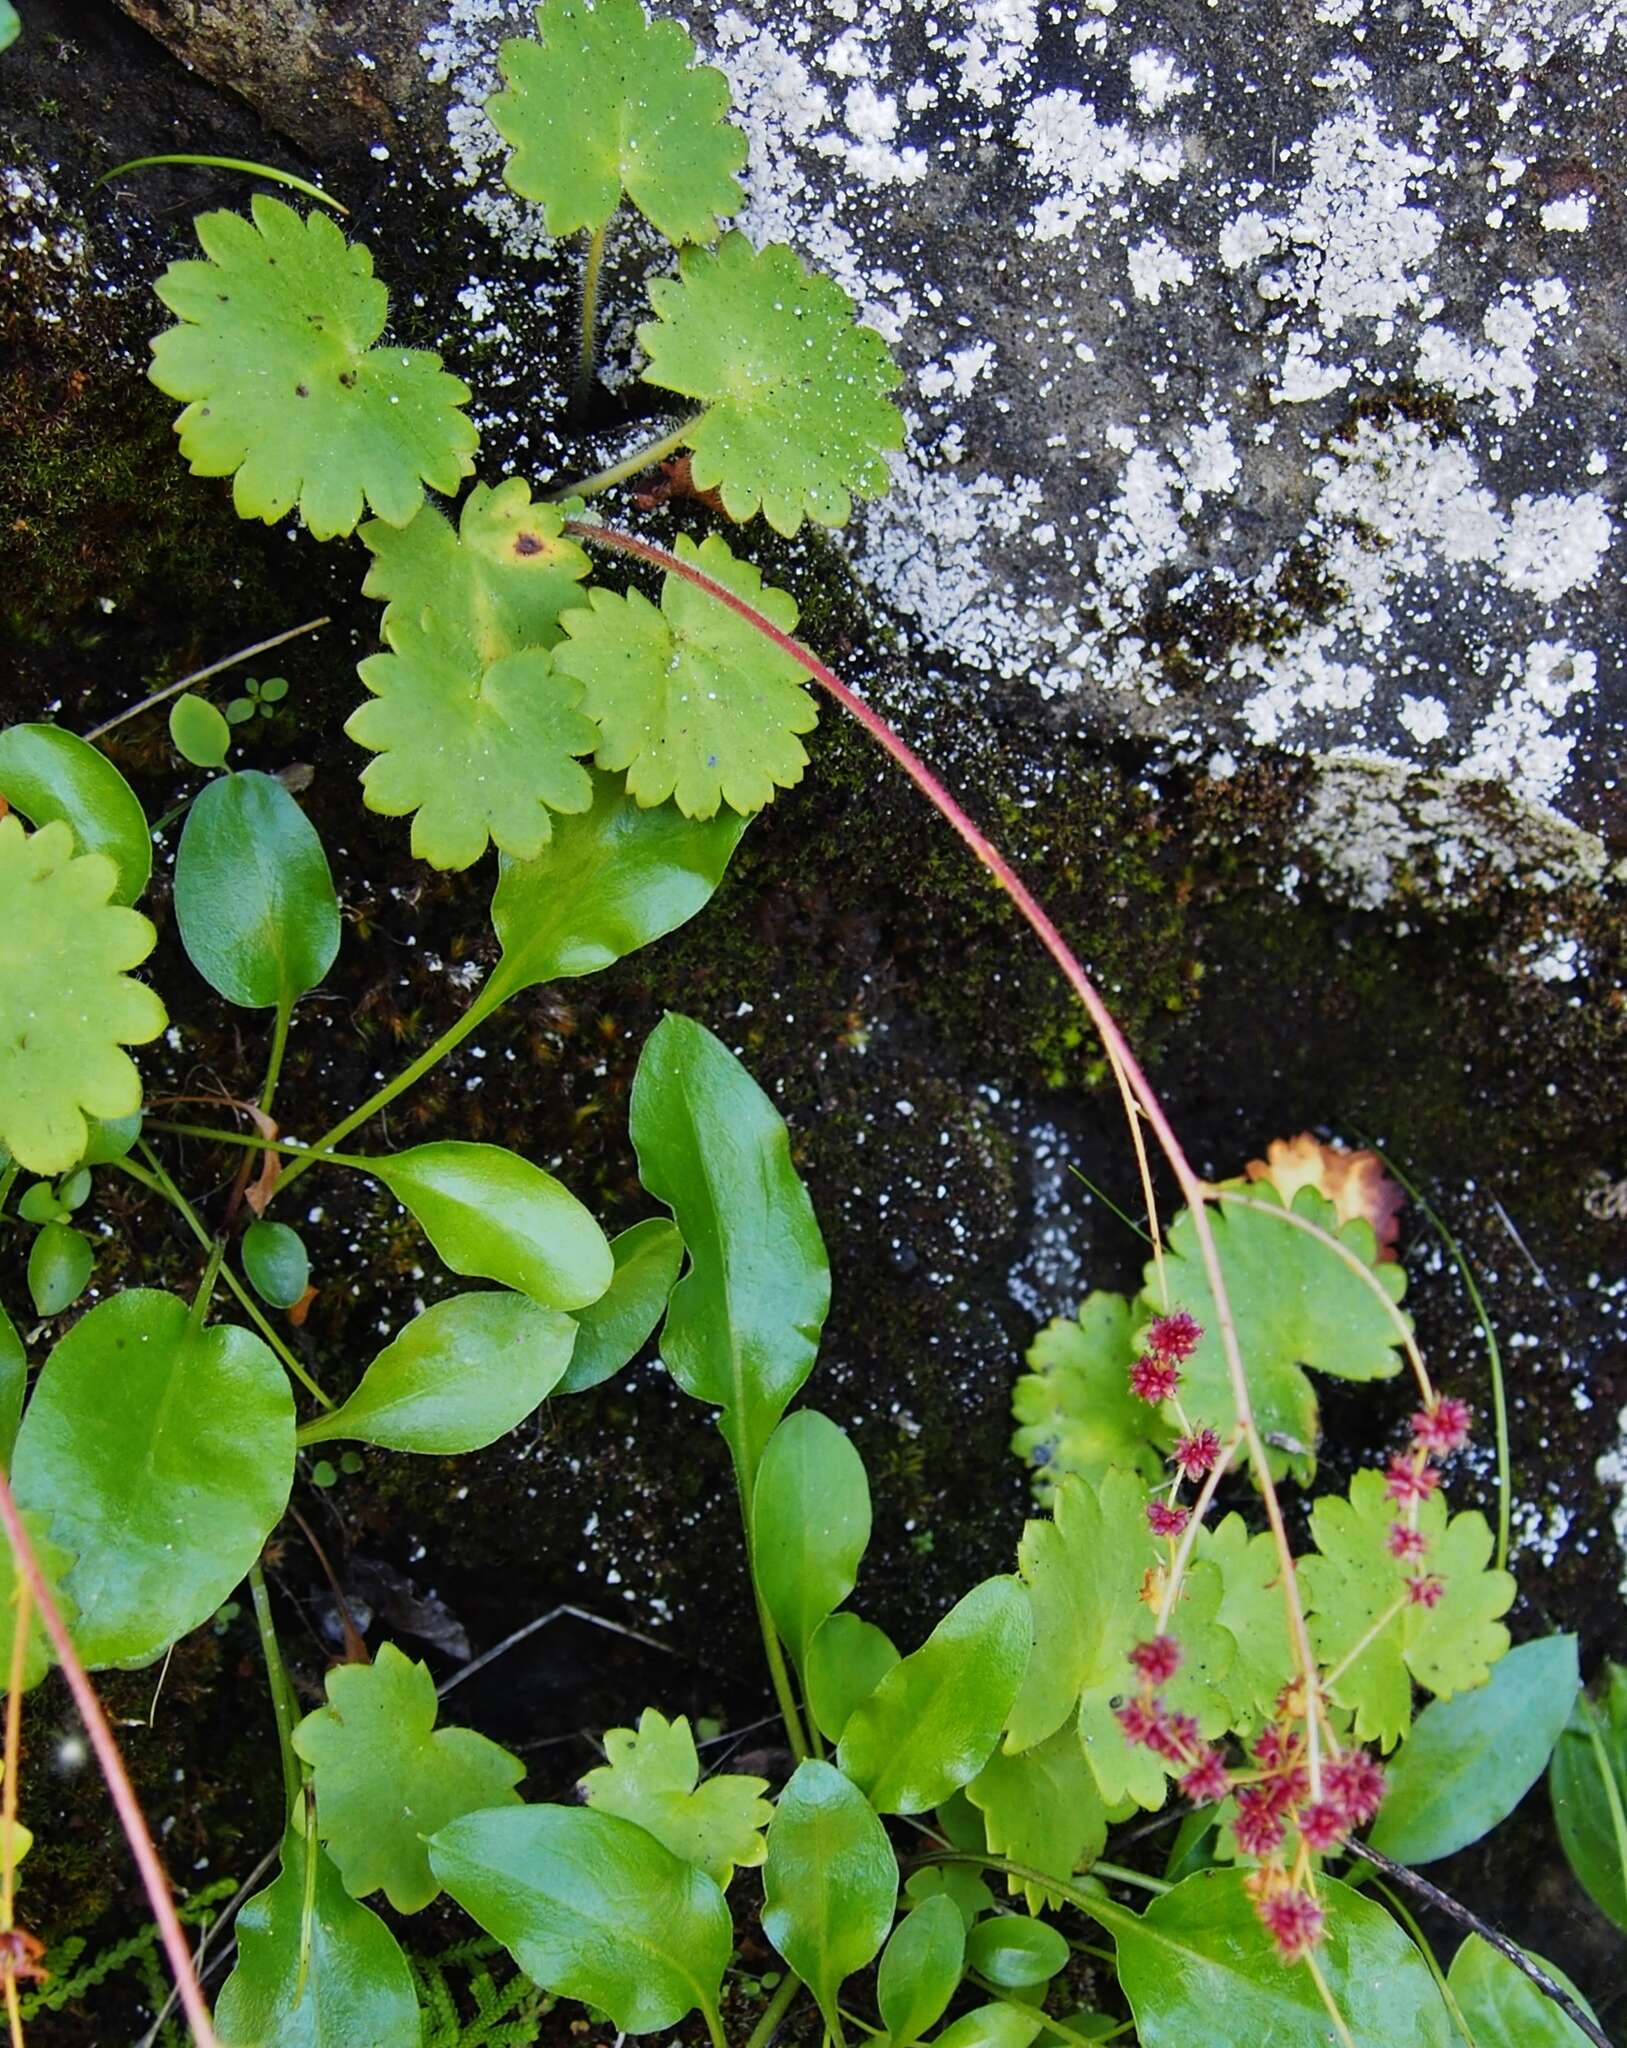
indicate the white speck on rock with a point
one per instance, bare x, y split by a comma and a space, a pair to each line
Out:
1156, 266
1568, 215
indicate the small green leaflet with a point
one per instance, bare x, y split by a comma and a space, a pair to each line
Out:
387, 1777
796, 421
60, 1263
830, 1881
1041, 1808
1355, 1582
847, 1659
606, 101
67, 1003
611, 1330
1074, 1405
810, 1525
276, 1262
474, 754
1016, 1954
1587, 1784
499, 581
920, 1969
652, 1779
1296, 1302
1504, 2008
691, 700
199, 732
287, 392
48, 772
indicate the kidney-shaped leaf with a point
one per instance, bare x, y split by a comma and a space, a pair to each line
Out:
847, 1659
743, 1325
932, 1722
810, 1524
1470, 1760
253, 895
387, 1777
1504, 2008
921, 1969
591, 1907
494, 1216
610, 1330
458, 1377
1587, 1783
347, 1986
830, 1882
163, 1453
48, 772
1198, 1966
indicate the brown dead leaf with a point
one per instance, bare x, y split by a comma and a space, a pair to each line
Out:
1354, 1182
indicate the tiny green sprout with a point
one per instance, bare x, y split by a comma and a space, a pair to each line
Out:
41, 1204
225, 1615
260, 697
198, 732
351, 1463
324, 1474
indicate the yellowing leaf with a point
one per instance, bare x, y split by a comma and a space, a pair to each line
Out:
288, 392
796, 420
690, 699
1074, 1404
606, 101
67, 1005
1356, 1593
651, 1779
475, 753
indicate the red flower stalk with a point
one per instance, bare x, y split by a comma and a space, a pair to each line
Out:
1197, 1454
1175, 1336
1444, 1428
1157, 1660
1425, 1591
1406, 1544
1165, 1520
1153, 1378
1294, 1921
1408, 1480
1355, 1784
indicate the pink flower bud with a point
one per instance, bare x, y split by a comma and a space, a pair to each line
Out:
1153, 1378
1323, 1826
1294, 1921
1425, 1591
1258, 1830
1355, 1784
1157, 1660
1165, 1520
1404, 1543
1207, 1783
1441, 1429
1197, 1454
1406, 1481
1175, 1336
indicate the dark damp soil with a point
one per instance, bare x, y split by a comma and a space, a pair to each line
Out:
938, 1086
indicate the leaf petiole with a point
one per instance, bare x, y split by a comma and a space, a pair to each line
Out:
590, 314
291, 179
642, 458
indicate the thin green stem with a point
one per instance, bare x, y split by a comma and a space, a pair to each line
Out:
590, 314
291, 179
1398, 1906
642, 458
714, 2028
202, 675
279, 1045
219, 1137
282, 1692
775, 2010
1087, 1902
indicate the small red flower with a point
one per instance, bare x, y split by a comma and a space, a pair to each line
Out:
1355, 1784
1141, 1720
1207, 1783
1175, 1336
1257, 1828
1165, 1520
1406, 1480
1276, 1747
1197, 1454
1157, 1660
1294, 1921
1425, 1591
1153, 1378
1175, 1739
1406, 1543
1282, 1793
1441, 1429
1323, 1826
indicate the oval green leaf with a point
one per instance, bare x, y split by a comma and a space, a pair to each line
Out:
1470, 1760
278, 1266
932, 1722
921, 1969
1015, 1953
13, 1387
199, 731
591, 1907
742, 1329
1198, 1966
163, 1453
1504, 2008
810, 1525
47, 772
253, 896
458, 1377
1587, 1783
494, 1216
348, 1986
610, 1331
60, 1263
847, 1659
611, 879
992, 2026
830, 1882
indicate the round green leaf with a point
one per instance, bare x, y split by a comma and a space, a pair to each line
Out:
932, 1722
253, 895
1015, 1953
288, 394
810, 1525
1587, 1783
275, 688
847, 1659
1197, 1966
610, 1331
1504, 2008
163, 1453
39, 1204
47, 772
67, 1005
921, 1969
338, 1980
200, 732
607, 101
239, 711
591, 1907
276, 1261
1470, 1760
387, 1777
458, 1377
60, 1262
830, 1882
494, 1216
796, 418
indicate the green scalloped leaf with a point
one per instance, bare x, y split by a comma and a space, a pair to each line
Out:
1354, 1583
691, 700
606, 101
1074, 1405
1296, 1303
475, 754
1043, 1809
797, 421
67, 1003
652, 1778
1254, 1613
499, 579
288, 392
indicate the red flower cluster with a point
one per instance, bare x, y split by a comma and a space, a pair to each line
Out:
1149, 1723
1442, 1429
1171, 1340
1157, 1660
1164, 1520
1153, 1378
1196, 1454
1294, 1920
1409, 1479
1425, 1590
